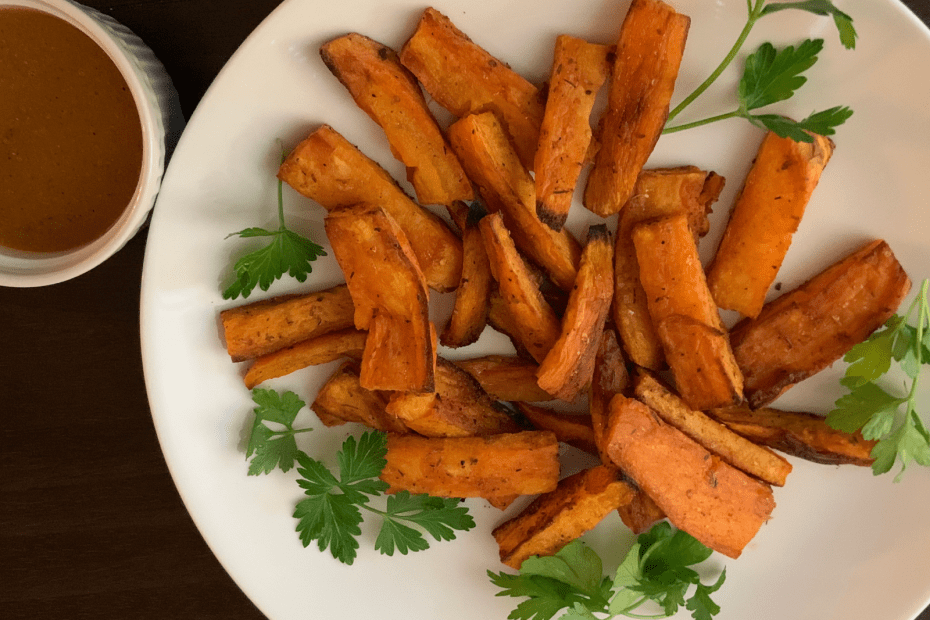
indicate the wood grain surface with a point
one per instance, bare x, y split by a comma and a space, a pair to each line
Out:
91, 525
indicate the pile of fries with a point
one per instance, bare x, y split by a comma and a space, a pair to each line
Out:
626, 321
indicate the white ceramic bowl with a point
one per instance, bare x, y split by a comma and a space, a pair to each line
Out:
159, 112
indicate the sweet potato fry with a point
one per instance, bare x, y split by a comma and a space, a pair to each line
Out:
535, 323
500, 319
390, 296
579, 69
470, 312
764, 219
658, 192
567, 368
732, 447
649, 51
343, 399
571, 428
400, 354
464, 78
386, 91
805, 435
262, 327
458, 408
330, 170
317, 350
640, 513
505, 377
804, 331
487, 154
494, 466
555, 519
711, 500
610, 377
687, 321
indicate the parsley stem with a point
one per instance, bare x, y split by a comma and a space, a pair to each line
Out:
755, 12
705, 121
281, 226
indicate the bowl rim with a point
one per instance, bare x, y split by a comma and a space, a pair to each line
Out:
46, 268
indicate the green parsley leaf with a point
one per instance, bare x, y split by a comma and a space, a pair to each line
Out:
910, 442
823, 123
440, 517
287, 252
700, 605
852, 411
331, 519
545, 596
844, 23
269, 448
332, 513
869, 408
772, 75
656, 568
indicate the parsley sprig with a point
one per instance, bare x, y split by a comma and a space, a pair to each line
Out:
270, 447
870, 408
772, 75
332, 513
288, 252
656, 569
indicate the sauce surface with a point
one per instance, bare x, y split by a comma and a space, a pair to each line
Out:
70, 135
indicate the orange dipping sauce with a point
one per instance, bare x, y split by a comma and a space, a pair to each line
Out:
70, 135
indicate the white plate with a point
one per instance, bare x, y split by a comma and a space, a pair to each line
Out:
841, 544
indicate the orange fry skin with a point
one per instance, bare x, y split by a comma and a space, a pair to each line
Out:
464, 78
579, 69
764, 219
649, 52
386, 91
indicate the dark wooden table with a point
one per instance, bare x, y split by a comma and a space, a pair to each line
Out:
91, 525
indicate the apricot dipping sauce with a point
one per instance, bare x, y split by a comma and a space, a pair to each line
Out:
70, 135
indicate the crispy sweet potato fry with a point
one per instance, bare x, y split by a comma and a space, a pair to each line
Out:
641, 513
330, 170
494, 466
805, 435
804, 331
262, 327
764, 219
535, 324
610, 377
391, 96
711, 500
732, 447
567, 368
317, 350
500, 319
658, 192
390, 296
579, 69
505, 377
488, 156
571, 428
343, 399
649, 51
687, 321
463, 78
470, 312
458, 408
555, 519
